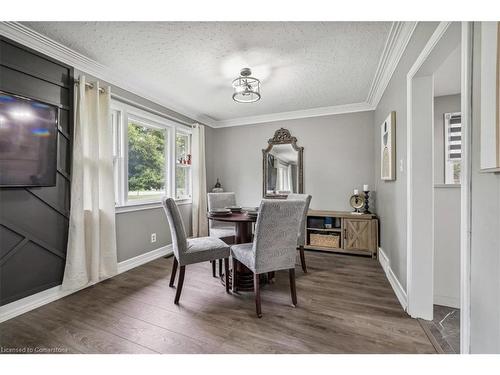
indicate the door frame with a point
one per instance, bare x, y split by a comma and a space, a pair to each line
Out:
414, 305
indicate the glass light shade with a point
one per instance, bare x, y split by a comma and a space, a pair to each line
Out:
246, 89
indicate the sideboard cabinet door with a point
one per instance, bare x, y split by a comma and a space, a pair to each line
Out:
358, 234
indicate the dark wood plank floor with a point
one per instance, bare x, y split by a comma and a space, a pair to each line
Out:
345, 305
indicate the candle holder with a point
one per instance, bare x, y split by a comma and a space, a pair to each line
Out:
367, 197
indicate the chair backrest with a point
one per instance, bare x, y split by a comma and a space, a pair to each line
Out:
275, 241
301, 240
179, 238
220, 200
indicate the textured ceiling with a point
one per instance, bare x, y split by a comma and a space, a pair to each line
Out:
302, 65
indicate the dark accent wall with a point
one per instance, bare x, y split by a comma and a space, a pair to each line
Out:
34, 221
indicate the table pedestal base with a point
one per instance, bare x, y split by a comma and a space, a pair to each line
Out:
245, 280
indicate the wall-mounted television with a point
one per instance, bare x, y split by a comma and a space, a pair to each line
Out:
28, 142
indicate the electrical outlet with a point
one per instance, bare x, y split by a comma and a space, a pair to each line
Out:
153, 237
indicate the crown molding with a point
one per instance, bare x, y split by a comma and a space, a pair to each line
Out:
41, 43
396, 43
292, 115
399, 36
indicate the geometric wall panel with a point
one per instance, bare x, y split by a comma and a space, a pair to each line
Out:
8, 240
34, 221
41, 270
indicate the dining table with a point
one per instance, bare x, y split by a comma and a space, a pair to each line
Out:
243, 226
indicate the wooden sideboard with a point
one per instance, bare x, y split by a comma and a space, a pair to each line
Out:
350, 233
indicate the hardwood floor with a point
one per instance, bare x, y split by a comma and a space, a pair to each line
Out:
345, 305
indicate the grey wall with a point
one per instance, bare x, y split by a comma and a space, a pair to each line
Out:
485, 257
338, 150
442, 105
34, 221
391, 195
133, 230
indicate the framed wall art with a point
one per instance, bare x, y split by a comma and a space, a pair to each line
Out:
388, 148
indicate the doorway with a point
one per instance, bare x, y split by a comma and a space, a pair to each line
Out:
439, 186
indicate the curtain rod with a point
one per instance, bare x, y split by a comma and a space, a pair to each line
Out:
90, 86
138, 105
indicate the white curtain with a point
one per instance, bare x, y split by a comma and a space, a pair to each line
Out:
91, 254
200, 221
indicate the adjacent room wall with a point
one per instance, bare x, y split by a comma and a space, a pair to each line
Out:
446, 214
447, 245
485, 246
338, 152
391, 195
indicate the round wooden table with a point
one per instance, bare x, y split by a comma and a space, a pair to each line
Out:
243, 226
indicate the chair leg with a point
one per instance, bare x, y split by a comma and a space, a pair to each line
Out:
256, 286
174, 271
213, 268
235, 275
220, 267
293, 290
180, 282
302, 259
226, 273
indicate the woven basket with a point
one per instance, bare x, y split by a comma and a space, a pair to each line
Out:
325, 240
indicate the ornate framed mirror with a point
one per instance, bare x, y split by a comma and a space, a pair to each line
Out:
282, 166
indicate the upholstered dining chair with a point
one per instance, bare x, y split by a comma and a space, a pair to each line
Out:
274, 246
301, 240
191, 250
220, 229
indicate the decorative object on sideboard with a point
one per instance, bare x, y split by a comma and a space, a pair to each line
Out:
217, 187
366, 190
388, 148
357, 201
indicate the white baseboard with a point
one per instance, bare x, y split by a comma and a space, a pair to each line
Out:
447, 301
393, 280
34, 301
144, 258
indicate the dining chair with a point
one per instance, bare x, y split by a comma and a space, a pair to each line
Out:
301, 240
191, 250
223, 230
274, 246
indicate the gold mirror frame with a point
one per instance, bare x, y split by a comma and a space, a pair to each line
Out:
282, 136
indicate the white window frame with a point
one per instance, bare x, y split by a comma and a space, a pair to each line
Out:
123, 112
448, 162
189, 134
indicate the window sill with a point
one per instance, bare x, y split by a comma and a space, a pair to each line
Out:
446, 186
139, 206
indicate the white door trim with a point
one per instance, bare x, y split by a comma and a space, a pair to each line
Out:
466, 175
466, 186
431, 44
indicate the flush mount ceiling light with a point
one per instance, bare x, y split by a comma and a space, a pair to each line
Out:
246, 88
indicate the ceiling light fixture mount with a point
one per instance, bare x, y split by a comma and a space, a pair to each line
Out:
246, 88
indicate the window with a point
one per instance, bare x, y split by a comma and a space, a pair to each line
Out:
147, 150
452, 147
182, 165
152, 157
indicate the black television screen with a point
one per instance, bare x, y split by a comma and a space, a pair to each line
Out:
28, 142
